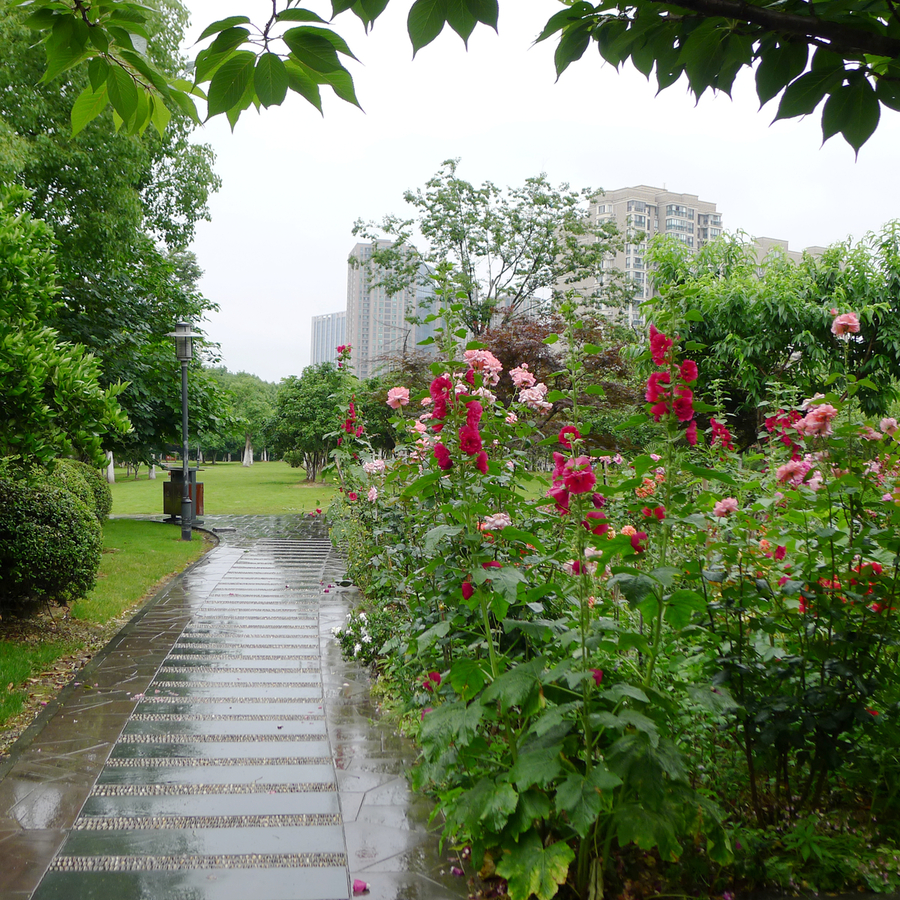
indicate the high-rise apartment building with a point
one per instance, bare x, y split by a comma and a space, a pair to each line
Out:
329, 331
377, 326
642, 212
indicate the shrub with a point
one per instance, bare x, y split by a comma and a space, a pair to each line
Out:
50, 545
100, 498
62, 474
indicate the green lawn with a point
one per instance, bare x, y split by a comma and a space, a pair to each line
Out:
271, 488
137, 556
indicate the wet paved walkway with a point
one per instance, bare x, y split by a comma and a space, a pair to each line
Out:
220, 748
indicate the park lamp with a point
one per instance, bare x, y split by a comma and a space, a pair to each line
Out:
184, 351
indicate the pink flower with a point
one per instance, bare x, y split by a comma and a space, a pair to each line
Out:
563, 435
688, 370
397, 397
845, 325
469, 440
780, 552
432, 681
817, 420
442, 455
725, 507
691, 433
870, 434
497, 521
352, 496
598, 675
578, 477
474, 412
793, 472
485, 362
683, 405
595, 522
533, 397
656, 385
511, 418
559, 493
467, 589
481, 462
638, 541
373, 494
659, 346
521, 377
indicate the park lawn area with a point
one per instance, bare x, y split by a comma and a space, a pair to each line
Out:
265, 489
38, 655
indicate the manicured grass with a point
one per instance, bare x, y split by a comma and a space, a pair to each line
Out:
272, 488
137, 556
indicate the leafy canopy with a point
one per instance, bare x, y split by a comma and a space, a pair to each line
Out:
847, 54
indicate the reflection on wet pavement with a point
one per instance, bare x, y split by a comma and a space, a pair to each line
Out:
221, 748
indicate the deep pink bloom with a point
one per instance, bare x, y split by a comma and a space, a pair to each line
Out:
720, 435
659, 346
560, 495
469, 440
637, 541
440, 387
470, 376
442, 455
474, 411
595, 522
492, 564
688, 370
598, 500
780, 552
578, 477
432, 681
567, 430
691, 433
683, 405
467, 589
352, 496
598, 675
481, 462
657, 385
848, 323
659, 410
559, 465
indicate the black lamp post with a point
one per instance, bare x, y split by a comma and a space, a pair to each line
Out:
184, 351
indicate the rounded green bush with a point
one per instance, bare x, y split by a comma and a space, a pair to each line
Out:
50, 544
101, 494
66, 475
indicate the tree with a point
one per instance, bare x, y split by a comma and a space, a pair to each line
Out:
499, 247
846, 52
52, 403
307, 411
121, 208
763, 330
253, 406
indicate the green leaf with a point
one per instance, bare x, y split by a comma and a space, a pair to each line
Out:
159, 115
513, 687
230, 81
681, 605
550, 339
778, 67
88, 106
228, 40
299, 15
313, 49
581, 798
438, 630
452, 722
853, 110
435, 535
531, 869
693, 315
802, 96
572, 44
342, 83
710, 474
467, 678
539, 767
271, 80
123, 94
301, 82
635, 588
222, 25
425, 22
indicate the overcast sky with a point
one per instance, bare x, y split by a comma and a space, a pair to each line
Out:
275, 252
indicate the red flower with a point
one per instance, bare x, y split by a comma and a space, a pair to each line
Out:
470, 376
432, 681
559, 466
780, 552
560, 495
481, 463
688, 370
469, 440
566, 430
654, 392
691, 434
492, 564
595, 522
683, 405
636, 541
720, 435
659, 346
658, 512
352, 495
467, 589
598, 500
473, 412
598, 675
440, 388
659, 410
442, 455
578, 478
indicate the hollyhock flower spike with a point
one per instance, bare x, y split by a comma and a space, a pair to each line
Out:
469, 440
688, 370
578, 477
564, 433
442, 455
397, 397
660, 346
690, 434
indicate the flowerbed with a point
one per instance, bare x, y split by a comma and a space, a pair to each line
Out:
676, 671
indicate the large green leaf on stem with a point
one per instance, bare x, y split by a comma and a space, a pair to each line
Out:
533, 870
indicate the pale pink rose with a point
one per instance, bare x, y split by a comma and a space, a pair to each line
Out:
817, 420
534, 397
793, 472
511, 418
725, 507
887, 497
870, 434
375, 467
521, 377
373, 494
397, 397
497, 521
426, 401
888, 426
811, 401
485, 362
845, 325
628, 530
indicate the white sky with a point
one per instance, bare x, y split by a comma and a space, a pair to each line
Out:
294, 182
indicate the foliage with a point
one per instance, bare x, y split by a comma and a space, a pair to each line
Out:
688, 655
55, 404
253, 403
805, 54
99, 498
304, 417
765, 328
49, 544
504, 249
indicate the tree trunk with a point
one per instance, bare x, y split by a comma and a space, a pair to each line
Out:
151, 475
248, 453
110, 468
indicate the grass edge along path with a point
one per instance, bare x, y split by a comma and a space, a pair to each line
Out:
39, 655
